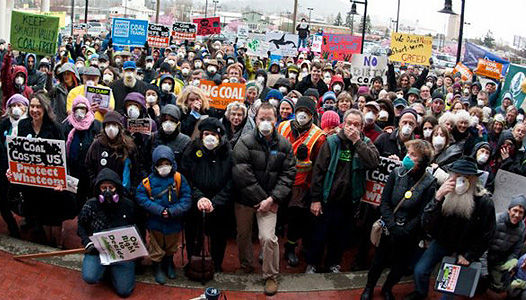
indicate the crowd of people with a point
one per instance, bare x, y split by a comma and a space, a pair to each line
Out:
291, 158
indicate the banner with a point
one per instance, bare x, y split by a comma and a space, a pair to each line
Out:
208, 26
488, 68
37, 162
34, 33
317, 40
507, 186
119, 244
340, 46
473, 52
365, 67
411, 48
129, 32
143, 126
514, 79
256, 47
98, 94
282, 43
158, 36
464, 71
223, 94
375, 180
184, 31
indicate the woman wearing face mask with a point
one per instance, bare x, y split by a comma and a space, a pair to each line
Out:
109, 75
444, 152
386, 116
207, 163
80, 130
414, 186
166, 84
169, 133
336, 84
152, 97
212, 71
481, 153
428, 124
236, 122
69, 79
14, 80
113, 148
46, 216
274, 97
194, 105
495, 130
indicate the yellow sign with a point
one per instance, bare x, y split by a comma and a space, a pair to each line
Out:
60, 14
411, 48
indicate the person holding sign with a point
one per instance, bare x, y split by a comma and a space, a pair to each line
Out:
409, 187
108, 209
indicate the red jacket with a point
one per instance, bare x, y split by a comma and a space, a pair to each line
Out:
7, 76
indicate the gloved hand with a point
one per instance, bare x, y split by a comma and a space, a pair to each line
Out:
90, 249
518, 284
509, 265
302, 152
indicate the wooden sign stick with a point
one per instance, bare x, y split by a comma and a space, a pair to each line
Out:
47, 254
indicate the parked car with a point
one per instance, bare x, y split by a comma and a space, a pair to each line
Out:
444, 61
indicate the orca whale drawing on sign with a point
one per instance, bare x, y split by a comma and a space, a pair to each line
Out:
282, 42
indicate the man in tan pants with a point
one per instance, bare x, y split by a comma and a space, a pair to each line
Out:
264, 171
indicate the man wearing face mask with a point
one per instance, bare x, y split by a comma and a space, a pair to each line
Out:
460, 219
307, 140
14, 80
264, 171
283, 86
338, 181
150, 72
166, 84
108, 209
337, 84
169, 133
371, 111
127, 84
391, 145
212, 73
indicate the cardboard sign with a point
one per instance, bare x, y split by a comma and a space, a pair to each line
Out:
37, 162
282, 43
489, 68
208, 26
257, 47
129, 32
98, 94
340, 46
119, 244
375, 180
507, 186
184, 31
223, 94
411, 48
242, 32
366, 67
143, 126
158, 35
455, 279
317, 41
34, 33
464, 71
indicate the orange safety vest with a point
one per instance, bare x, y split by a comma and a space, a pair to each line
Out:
309, 139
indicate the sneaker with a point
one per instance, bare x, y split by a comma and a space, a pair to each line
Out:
271, 287
335, 268
311, 269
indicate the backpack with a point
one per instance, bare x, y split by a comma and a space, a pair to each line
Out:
177, 182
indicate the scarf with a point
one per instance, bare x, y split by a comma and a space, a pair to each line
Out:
83, 124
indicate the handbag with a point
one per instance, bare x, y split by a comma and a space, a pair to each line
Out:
379, 225
201, 267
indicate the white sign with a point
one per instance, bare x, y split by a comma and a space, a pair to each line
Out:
507, 186
317, 40
282, 43
119, 244
365, 67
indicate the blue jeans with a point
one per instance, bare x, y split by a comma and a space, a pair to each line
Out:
300, 41
426, 264
122, 274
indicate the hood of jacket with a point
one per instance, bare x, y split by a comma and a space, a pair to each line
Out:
107, 174
35, 62
167, 76
163, 152
172, 111
336, 79
16, 71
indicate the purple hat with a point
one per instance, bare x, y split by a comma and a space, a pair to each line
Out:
137, 98
363, 90
17, 98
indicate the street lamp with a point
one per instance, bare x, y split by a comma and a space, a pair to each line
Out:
448, 9
310, 9
215, 6
397, 15
206, 8
353, 11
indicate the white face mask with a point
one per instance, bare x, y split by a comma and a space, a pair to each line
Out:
337, 88
111, 131
151, 99
169, 127
369, 117
439, 142
16, 112
185, 71
427, 133
211, 69
406, 130
302, 118
133, 112
107, 78
196, 82
429, 84
474, 120
198, 64
90, 83
520, 118
118, 60
293, 75
383, 115
482, 158
79, 65
282, 90
210, 142
171, 62
149, 65
480, 102
19, 80
233, 80
80, 114
103, 66
462, 185
265, 128
164, 170
260, 79
274, 102
166, 87
419, 119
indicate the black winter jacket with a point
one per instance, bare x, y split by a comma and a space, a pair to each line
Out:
507, 240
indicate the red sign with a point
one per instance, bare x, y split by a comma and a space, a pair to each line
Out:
158, 35
208, 26
340, 46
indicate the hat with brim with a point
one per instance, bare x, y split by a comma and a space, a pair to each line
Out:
464, 166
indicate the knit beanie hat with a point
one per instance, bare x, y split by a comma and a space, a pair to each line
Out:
112, 116
307, 103
311, 92
287, 100
518, 200
328, 95
330, 119
212, 124
17, 98
275, 94
363, 90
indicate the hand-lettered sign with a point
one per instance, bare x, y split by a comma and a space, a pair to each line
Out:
340, 46
411, 49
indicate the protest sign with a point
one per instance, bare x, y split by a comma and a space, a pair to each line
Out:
340, 46
183, 31
37, 162
507, 186
98, 94
207, 26
80, 29
158, 35
242, 32
411, 48
455, 279
223, 94
72, 184
464, 71
119, 244
514, 79
316, 43
375, 180
34, 33
473, 52
60, 14
365, 67
282, 43
129, 32
256, 47
143, 126
488, 68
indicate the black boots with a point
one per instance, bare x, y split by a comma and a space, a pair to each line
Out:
168, 266
158, 273
290, 254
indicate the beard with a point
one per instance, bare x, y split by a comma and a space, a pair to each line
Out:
130, 82
459, 205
